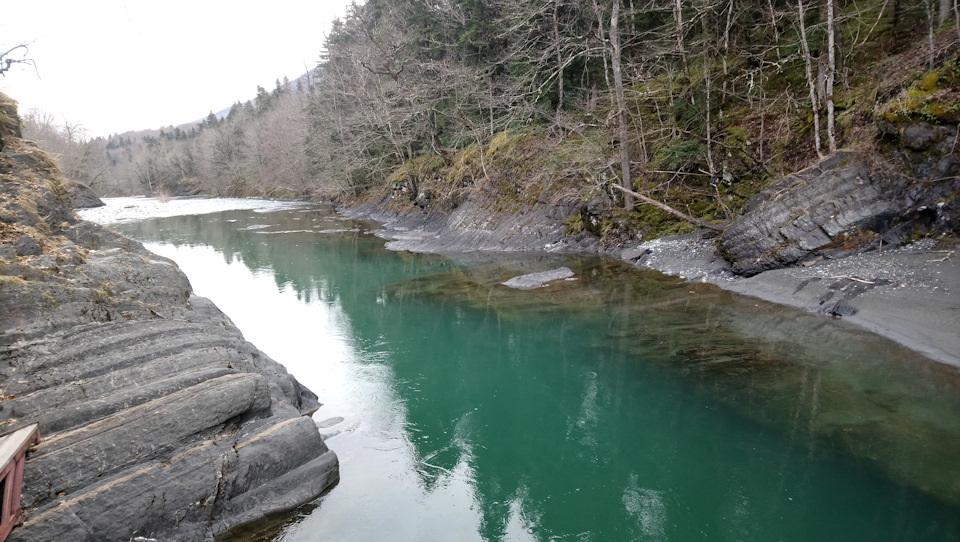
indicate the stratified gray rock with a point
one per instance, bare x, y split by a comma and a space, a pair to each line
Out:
8, 253
536, 280
474, 226
846, 204
158, 419
82, 196
633, 254
26, 246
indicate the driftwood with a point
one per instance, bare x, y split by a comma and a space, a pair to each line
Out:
671, 210
855, 279
945, 258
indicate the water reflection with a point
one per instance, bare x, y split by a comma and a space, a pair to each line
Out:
828, 384
620, 406
647, 508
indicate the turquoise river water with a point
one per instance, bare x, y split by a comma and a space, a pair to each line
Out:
621, 405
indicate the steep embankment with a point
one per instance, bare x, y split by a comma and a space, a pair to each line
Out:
158, 420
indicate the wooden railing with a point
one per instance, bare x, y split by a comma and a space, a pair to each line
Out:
13, 451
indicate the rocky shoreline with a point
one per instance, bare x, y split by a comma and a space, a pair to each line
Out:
158, 420
866, 235
909, 294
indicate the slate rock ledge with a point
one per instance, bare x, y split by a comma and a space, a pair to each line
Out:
158, 419
852, 202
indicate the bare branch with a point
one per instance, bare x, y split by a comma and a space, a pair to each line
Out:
6, 63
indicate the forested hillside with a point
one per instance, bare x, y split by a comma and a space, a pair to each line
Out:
695, 103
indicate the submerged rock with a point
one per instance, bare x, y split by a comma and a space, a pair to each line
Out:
536, 280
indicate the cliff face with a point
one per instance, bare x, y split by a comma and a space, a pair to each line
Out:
158, 420
852, 202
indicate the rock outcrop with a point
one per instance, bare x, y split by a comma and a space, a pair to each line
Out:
851, 202
476, 224
158, 419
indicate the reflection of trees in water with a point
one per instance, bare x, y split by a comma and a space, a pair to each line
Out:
552, 402
308, 261
821, 383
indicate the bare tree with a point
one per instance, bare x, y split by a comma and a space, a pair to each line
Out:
615, 54
228, 158
831, 75
13, 56
678, 17
811, 82
560, 65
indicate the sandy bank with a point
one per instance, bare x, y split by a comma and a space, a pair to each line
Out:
910, 294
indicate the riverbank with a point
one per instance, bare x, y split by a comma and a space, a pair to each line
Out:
909, 294
434, 354
158, 420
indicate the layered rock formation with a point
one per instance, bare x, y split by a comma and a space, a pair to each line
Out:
852, 202
158, 420
477, 225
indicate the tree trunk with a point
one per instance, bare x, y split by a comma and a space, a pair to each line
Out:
956, 17
831, 75
621, 105
602, 33
556, 38
811, 82
706, 81
930, 29
726, 53
944, 13
678, 16
773, 25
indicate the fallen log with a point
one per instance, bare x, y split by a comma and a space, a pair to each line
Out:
671, 210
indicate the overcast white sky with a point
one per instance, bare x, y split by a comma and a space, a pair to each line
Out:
118, 65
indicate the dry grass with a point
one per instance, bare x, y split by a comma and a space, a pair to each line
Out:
29, 176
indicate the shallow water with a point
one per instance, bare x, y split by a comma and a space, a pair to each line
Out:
621, 405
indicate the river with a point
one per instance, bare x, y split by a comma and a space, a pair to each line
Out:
618, 405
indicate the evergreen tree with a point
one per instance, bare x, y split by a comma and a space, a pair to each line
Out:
235, 111
263, 100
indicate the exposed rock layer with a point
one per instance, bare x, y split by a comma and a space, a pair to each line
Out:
158, 420
851, 203
476, 225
